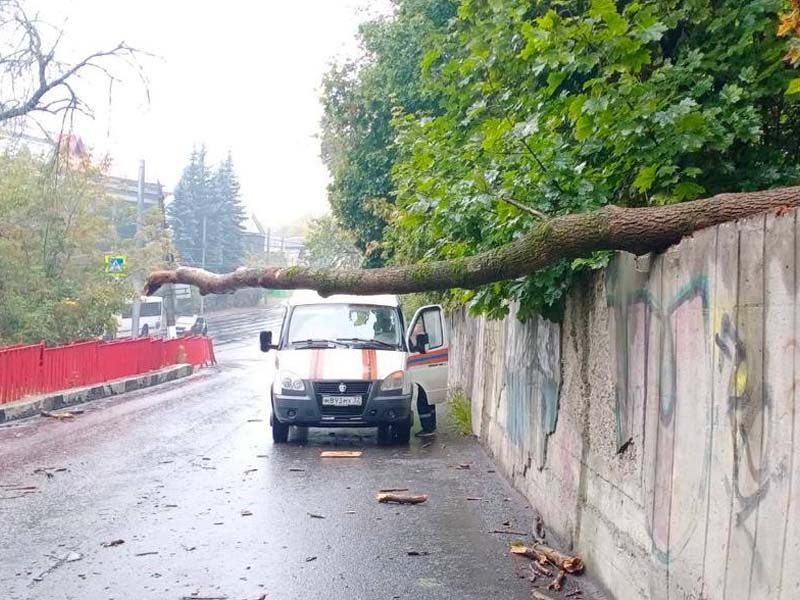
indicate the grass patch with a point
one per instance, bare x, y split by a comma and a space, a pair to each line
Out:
461, 413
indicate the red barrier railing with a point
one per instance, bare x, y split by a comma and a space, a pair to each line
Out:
35, 369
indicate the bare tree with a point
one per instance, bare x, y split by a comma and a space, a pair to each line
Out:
637, 230
33, 79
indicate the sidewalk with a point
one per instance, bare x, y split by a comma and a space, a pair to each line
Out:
33, 405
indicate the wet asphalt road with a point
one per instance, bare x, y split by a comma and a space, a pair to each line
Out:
187, 475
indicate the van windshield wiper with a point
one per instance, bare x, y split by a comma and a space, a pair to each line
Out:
368, 342
311, 342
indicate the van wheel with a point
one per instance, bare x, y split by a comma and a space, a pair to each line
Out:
401, 432
384, 435
280, 431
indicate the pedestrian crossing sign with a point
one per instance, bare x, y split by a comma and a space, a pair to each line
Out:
116, 265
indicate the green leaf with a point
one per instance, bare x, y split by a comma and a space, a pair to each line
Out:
688, 190
644, 180
794, 87
584, 127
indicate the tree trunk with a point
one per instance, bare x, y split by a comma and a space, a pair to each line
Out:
637, 230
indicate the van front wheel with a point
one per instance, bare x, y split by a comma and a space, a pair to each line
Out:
384, 435
402, 431
280, 431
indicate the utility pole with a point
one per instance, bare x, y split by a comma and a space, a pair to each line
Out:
203, 260
269, 241
169, 289
136, 308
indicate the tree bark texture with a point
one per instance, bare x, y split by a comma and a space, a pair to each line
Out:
636, 230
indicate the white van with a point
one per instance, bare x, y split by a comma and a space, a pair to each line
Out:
348, 361
151, 317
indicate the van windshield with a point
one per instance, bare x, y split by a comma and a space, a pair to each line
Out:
355, 325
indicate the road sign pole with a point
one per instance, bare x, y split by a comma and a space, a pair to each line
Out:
139, 226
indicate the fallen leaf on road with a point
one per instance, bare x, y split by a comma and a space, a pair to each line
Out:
247, 513
416, 553
170, 506
146, 553
248, 471
350, 512
188, 548
389, 490
255, 420
401, 499
464, 466
73, 556
314, 516
474, 498
262, 455
295, 470
113, 543
341, 454
310, 558
536, 595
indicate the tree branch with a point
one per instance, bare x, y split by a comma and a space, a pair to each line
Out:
38, 64
520, 205
637, 230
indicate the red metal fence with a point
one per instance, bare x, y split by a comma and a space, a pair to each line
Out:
37, 369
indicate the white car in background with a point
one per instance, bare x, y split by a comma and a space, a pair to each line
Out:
191, 325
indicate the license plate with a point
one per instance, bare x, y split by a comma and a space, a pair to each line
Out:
342, 400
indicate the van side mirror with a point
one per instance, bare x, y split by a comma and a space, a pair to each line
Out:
265, 338
420, 341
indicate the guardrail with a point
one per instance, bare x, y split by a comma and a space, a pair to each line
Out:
37, 369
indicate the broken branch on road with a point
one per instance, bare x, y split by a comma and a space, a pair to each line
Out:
400, 498
341, 454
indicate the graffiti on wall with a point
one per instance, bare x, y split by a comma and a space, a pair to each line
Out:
645, 331
648, 335
531, 382
748, 414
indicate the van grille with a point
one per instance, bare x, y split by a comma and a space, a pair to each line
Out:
331, 388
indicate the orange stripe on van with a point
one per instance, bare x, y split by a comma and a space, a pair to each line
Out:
317, 364
369, 362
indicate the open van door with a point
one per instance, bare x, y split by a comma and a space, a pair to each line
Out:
428, 358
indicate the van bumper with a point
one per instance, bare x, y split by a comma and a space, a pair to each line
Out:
306, 412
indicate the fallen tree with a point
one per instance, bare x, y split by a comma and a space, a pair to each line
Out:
636, 230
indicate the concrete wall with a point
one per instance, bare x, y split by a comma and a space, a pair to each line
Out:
655, 429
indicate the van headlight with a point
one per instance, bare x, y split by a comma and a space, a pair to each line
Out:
290, 382
394, 382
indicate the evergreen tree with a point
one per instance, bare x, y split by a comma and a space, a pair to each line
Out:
231, 213
215, 196
192, 200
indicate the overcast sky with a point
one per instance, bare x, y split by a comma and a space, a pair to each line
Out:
237, 75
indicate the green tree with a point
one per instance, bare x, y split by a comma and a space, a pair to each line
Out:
54, 222
359, 99
568, 105
328, 245
231, 211
214, 197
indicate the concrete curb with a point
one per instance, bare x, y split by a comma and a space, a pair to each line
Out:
31, 406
